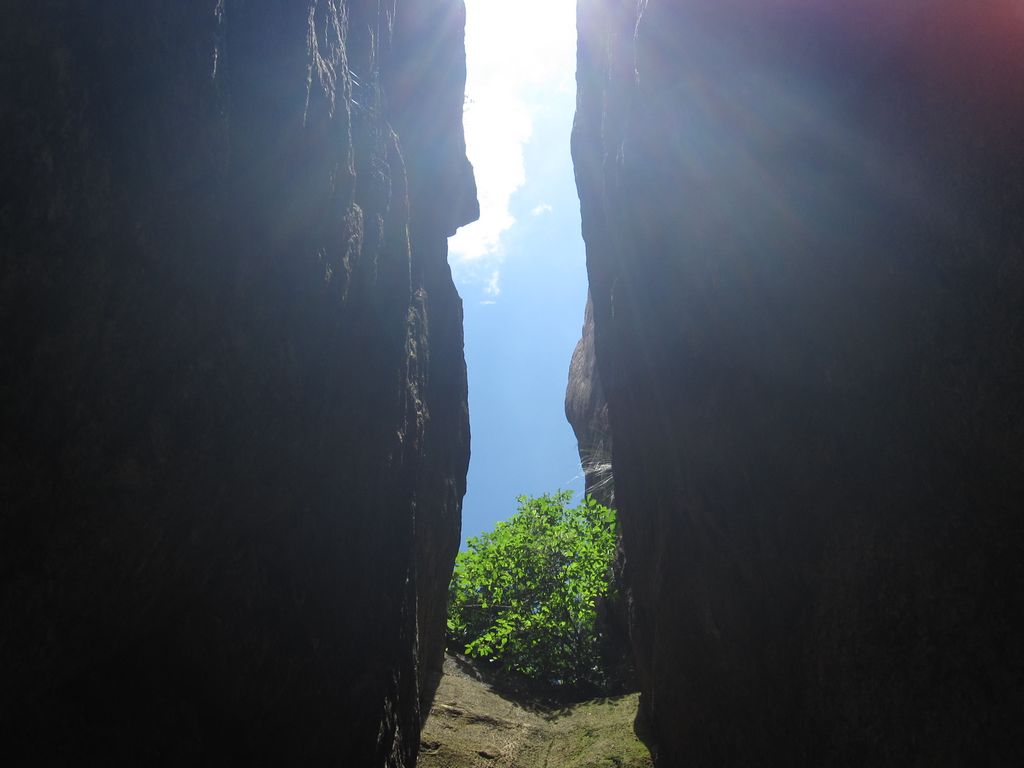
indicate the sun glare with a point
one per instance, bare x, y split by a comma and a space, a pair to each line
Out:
520, 57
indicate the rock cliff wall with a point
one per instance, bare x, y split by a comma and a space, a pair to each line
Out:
586, 409
805, 243
235, 432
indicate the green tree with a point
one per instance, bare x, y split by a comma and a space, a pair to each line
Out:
523, 595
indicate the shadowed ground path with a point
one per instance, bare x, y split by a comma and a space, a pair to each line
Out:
474, 724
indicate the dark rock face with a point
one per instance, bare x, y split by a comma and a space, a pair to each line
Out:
235, 431
586, 409
587, 412
805, 241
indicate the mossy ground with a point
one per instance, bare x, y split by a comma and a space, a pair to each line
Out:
475, 724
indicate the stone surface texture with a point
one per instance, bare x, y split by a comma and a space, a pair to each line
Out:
586, 409
233, 394
805, 243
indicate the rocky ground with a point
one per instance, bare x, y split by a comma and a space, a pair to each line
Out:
477, 721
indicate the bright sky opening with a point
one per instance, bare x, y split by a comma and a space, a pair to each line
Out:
521, 267
519, 54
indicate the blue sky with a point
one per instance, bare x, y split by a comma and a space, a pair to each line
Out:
520, 269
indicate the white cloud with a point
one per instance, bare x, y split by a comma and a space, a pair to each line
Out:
519, 53
541, 209
493, 287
